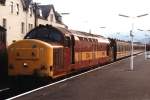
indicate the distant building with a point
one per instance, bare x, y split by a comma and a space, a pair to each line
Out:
20, 16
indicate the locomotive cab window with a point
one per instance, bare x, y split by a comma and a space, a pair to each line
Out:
45, 34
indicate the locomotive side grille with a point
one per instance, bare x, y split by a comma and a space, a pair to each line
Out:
58, 58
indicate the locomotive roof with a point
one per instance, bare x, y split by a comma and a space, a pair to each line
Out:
77, 34
99, 38
63, 30
80, 33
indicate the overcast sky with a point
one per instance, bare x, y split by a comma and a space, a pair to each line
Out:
88, 15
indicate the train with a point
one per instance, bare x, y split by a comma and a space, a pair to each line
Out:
3, 54
53, 52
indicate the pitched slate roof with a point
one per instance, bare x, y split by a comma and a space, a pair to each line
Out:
2, 1
26, 4
46, 10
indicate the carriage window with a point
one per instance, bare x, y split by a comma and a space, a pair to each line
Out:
81, 38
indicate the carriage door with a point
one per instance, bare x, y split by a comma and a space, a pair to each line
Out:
67, 51
70, 42
72, 49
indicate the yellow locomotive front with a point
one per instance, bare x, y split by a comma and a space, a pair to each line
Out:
31, 57
41, 53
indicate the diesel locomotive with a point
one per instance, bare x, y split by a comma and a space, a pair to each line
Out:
48, 51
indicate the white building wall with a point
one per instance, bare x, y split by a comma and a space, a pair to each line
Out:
13, 21
42, 21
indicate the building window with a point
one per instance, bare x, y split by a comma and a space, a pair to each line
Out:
30, 26
17, 9
4, 23
51, 16
31, 12
2, 2
22, 28
11, 7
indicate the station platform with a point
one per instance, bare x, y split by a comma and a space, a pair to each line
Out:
112, 82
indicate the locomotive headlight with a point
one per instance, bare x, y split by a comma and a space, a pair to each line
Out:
25, 65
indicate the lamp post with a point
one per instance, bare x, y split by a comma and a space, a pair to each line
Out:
131, 35
35, 10
145, 41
